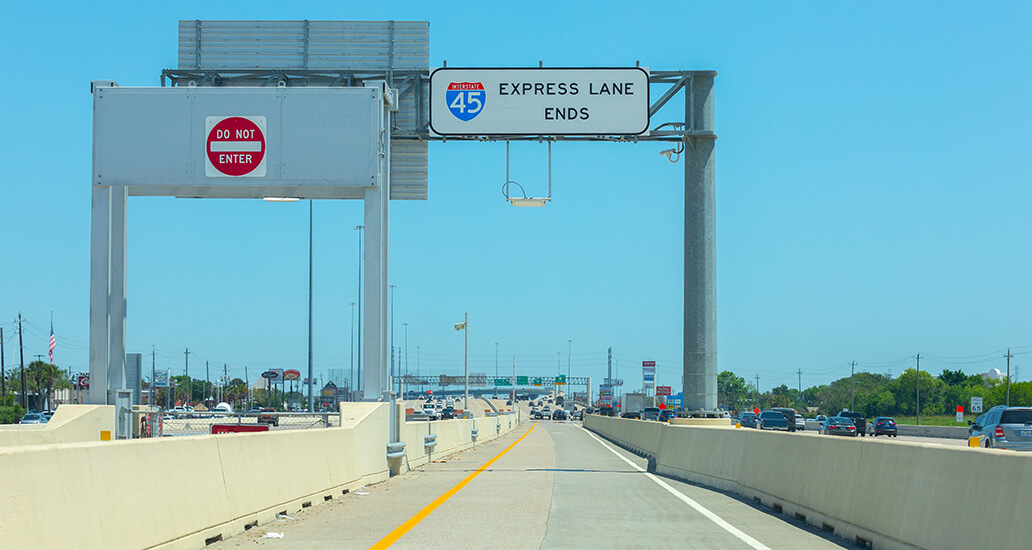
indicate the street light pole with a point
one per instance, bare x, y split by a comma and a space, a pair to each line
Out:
392, 287
569, 373
464, 326
351, 381
358, 384
311, 397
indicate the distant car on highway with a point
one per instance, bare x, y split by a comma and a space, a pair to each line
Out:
559, 414
34, 418
800, 422
448, 413
650, 413
606, 411
749, 419
790, 416
858, 420
884, 425
268, 416
839, 425
774, 420
536, 414
667, 414
1007, 428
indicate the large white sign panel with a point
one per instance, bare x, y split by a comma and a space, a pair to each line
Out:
238, 142
545, 101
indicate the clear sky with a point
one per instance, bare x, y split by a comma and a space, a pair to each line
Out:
873, 198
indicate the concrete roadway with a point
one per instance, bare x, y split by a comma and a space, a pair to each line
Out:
560, 487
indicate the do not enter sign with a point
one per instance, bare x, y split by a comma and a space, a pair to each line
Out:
235, 146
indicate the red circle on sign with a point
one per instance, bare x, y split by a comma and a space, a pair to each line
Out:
236, 146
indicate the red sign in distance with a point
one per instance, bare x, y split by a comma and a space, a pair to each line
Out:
235, 146
662, 406
960, 408
756, 410
648, 363
663, 390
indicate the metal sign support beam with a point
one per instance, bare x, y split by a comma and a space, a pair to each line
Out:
107, 291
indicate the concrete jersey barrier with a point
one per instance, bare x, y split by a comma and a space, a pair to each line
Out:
893, 494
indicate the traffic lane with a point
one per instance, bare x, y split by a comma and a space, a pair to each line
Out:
363, 517
601, 500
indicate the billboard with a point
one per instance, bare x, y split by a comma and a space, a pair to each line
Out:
539, 101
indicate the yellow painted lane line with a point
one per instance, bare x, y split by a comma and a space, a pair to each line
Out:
422, 514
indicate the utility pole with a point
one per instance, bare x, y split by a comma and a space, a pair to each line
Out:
207, 383
188, 392
150, 400
496, 360
21, 360
800, 373
757, 383
3, 374
1008, 376
918, 389
569, 373
417, 360
852, 370
247, 389
225, 380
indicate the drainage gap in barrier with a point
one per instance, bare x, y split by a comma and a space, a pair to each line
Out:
282, 513
800, 516
863, 542
344, 492
213, 540
777, 507
249, 526
827, 527
306, 504
757, 500
327, 497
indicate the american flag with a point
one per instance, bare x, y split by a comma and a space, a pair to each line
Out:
53, 343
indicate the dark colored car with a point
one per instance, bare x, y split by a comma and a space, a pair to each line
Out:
650, 413
839, 425
774, 420
536, 414
884, 425
268, 416
666, 414
1007, 428
559, 414
749, 420
447, 413
858, 420
790, 416
606, 411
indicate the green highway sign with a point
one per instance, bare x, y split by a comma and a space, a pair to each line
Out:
560, 380
503, 382
539, 382
521, 381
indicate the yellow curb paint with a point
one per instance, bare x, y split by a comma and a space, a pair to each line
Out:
105, 435
426, 511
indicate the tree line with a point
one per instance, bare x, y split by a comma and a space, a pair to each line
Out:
878, 394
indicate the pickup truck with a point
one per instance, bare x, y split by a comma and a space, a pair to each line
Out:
858, 420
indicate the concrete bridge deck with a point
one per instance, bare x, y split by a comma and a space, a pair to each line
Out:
554, 485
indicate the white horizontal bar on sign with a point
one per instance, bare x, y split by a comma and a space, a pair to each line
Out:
236, 146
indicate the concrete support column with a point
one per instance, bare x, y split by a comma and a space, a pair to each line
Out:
107, 291
700, 240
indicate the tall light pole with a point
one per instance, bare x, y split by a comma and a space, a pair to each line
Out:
359, 228
496, 368
464, 326
392, 287
405, 370
569, 373
311, 397
351, 381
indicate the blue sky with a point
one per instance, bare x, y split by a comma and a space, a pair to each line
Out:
872, 203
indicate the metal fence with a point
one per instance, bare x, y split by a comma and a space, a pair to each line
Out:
170, 424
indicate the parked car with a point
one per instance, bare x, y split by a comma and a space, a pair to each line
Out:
884, 425
749, 419
268, 416
1007, 428
34, 418
666, 414
858, 420
650, 413
839, 425
447, 413
774, 420
559, 414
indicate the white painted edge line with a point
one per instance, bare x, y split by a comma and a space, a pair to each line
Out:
683, 498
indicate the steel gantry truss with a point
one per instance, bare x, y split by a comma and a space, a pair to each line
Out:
695, 135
